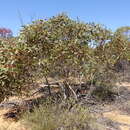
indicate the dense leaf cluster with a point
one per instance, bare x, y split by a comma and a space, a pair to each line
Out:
14, 64
60, 47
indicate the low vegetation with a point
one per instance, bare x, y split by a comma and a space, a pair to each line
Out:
55, 117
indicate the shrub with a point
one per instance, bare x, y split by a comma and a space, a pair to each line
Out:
66, 48
55, 38
63, 47
60, 39
14, 65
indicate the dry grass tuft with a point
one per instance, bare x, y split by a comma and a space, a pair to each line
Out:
57, 117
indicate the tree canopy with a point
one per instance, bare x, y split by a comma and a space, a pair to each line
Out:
64, 48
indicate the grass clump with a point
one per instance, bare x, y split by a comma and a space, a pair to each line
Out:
103, 93
55, 117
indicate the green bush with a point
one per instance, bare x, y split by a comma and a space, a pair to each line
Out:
60, 39
14, 65
61, 47
66, 48
56, 39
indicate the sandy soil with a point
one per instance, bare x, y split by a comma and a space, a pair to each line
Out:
118, 112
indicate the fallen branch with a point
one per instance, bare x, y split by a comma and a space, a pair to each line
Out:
47, 82
75, 95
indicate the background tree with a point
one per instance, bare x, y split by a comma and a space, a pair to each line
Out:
5, 33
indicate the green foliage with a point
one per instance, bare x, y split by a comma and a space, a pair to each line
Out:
66, 48
124, 33
55, 38
106, 56
13, 67
61, 47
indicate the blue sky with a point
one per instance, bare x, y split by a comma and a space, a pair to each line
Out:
112, 13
